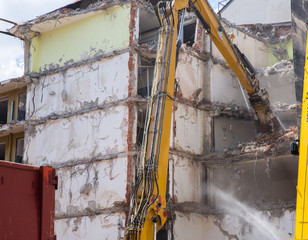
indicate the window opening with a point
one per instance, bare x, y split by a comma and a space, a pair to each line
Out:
2, 150
19, 150
148, 29
3, 110
140, 125
189, 34
21, 106
145, 77
12, 111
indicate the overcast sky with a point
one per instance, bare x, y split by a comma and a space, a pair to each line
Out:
11, 49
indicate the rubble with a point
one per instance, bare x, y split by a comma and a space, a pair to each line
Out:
266, 144
267, 33
190, 207
270, 142
283, 107
283, 67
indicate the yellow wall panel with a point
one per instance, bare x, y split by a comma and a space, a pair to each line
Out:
104, 32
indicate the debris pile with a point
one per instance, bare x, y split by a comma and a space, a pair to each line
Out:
264, 145
276, 142
267, 33
283, 67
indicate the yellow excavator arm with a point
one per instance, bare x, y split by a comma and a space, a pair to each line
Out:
148, 211
238, 62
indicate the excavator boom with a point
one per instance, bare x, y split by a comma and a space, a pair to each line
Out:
238, 62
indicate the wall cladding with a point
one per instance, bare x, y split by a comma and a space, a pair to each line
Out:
101, 33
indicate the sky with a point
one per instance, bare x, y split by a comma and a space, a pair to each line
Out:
18, 11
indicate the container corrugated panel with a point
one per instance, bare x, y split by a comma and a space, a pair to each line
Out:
27, 202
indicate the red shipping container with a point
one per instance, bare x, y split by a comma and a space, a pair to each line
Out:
27, 202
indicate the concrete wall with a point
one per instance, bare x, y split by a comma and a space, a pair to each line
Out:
187, 179
193, 76
261, 226
191, 129
80, 120
225, 87
89, 135
252, 12
259, 181
88, 146
93, 227
279, 82
256, 51
91, 187
80, 88
261, 52
229, 133
70, 96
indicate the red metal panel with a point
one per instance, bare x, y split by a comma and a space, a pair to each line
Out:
49, 181
26, 202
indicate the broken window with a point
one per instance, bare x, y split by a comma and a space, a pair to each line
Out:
189, 34
21, 106
19, 150
145, 81
148, 28
2, 150
3, 110
140, 125
149, 38
145, 77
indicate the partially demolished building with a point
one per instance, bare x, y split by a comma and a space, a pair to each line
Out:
88, 72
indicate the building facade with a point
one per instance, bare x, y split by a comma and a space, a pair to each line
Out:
88, 73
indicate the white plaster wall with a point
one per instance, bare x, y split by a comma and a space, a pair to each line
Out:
104, 226
191, 129
281, 90
225, 87
256, 51
280, 86
187, 182
261, 11
85, 136
195, 226
77, 88
190, 73
287, 118
91, 187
